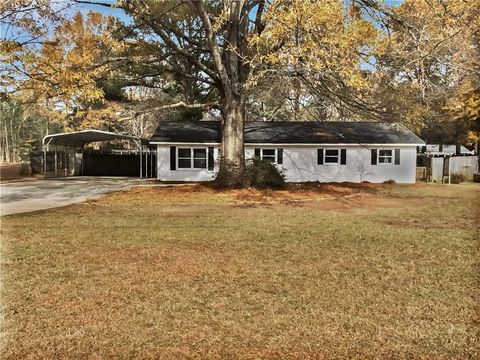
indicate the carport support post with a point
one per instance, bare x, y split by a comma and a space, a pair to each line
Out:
74, 157
65, 163
45, 147
140, 161
45, 159
146, 162
55, 160
74, 150
151, 159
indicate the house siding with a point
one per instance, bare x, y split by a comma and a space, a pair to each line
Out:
300, 164
165, 174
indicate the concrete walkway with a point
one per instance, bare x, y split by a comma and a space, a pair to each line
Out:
25, 196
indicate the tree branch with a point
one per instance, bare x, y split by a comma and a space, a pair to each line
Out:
215, 50
180, 104
99, 3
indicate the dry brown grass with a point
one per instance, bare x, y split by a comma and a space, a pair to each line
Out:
336, 271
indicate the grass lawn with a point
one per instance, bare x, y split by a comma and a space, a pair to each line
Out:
384, 271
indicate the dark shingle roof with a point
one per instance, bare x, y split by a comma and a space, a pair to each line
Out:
289, 132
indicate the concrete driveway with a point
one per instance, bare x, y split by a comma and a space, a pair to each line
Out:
25, 196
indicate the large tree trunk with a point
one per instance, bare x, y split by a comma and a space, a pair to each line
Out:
232, 172
231, 75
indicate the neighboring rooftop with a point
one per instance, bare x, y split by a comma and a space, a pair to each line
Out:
447, 149
289, 132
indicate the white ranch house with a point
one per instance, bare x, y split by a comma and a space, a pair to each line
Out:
305, 151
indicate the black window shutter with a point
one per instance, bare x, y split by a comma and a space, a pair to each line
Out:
173, 158
374, 157
279, 156
397, 156
257, 153
320, 156
210, 158
343, 156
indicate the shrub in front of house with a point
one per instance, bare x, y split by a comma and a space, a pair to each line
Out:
457, 178
263, 174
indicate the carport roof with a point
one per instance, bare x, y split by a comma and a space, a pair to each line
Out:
80, 138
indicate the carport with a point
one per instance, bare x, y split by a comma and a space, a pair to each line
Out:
68, 150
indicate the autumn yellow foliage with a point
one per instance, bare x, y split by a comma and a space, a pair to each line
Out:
320, 36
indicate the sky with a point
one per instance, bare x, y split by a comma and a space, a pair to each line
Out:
9, 32
114, 12
122, 16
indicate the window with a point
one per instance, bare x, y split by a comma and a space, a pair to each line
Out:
184, 158
268, 154
385, 156
192, 158
200, 158
331, 156
272, 155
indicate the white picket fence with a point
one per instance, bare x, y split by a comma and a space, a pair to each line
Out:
464, 165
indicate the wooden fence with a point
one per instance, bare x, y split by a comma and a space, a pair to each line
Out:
465, 165
462, 165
